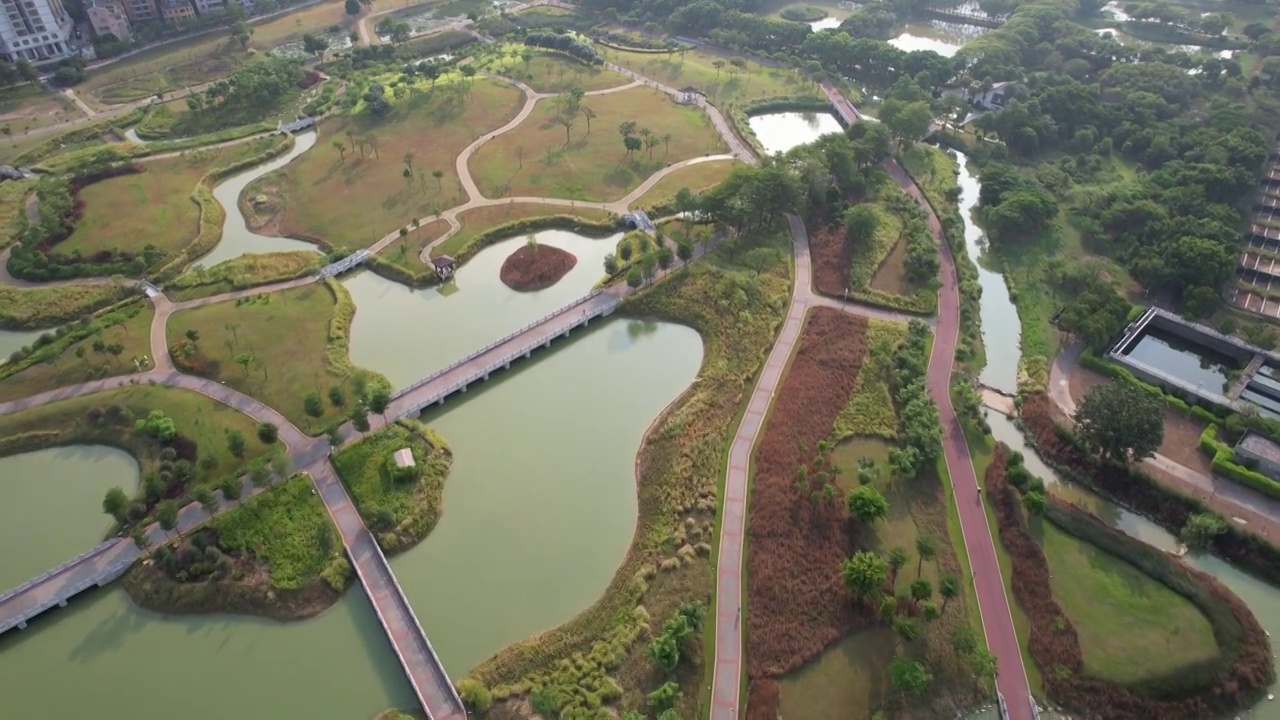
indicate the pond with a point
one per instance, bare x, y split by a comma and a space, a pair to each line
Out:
1188, 361
944, 38
237, 239
11, 341
781, 131
541, 500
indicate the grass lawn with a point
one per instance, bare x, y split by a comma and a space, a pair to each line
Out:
891, 276
696, 69
593, 166
197, 417
550, 72
848, 680
26, 107
1131, 627
46, 307
695, 177
198, 60
13, 202
400, 512
405, 251
282, 528
152, 207
287, 367
243, 272
350, 202
68, 369
483, 219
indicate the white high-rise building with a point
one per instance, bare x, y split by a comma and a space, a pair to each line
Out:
34, 30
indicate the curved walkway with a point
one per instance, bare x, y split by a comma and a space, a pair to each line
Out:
993, 603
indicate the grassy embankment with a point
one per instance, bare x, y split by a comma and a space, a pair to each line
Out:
594, 165
244, 272
596, 655
403, 510
243, 345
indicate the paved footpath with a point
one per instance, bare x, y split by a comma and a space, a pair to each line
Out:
993, 604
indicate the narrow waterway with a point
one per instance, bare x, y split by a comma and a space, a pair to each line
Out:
539, 510
12, 341
237, 238
1000, 339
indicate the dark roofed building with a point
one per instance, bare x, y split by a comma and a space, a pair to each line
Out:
444, 266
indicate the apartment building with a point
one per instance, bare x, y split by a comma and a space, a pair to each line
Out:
175, 11
34, 30
141, 11
108, 18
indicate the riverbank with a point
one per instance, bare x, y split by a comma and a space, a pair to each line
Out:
149, 588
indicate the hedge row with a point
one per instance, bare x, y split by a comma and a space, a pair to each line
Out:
1128, 486
1234, 679
1224, 464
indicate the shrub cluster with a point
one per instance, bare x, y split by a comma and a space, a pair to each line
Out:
1224, 464
567, 44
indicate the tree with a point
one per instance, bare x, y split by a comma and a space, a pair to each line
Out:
158, 426
80, 354
906, 628
116, 504
635, 278
231, 489
864, 574
243, 360
927, 549
590, 115
474, 694
1199, 531
948, 588
235, 443
115, 349
1034, 501
908, 676
268, 432
205, 497
360, 417
312, 405
921, 590
684, 251
908, 122
897, 558
438, 174
313, 45
867, 504
1120, 422
860, 223
242, 32
379, 399
353, 7
167, 515
632, 144
139, 537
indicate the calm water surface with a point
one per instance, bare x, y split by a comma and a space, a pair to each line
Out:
781, 131
12, 341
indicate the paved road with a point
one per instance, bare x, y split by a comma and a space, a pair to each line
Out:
993, 604
1232, 500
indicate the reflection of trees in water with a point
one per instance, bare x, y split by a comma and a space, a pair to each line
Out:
637, 329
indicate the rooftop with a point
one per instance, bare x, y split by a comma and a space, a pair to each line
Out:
404, 458
1259, 445
443, 261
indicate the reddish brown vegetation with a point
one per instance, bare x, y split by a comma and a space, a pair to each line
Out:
831, 261
798, 604
1137, 491
1231, 681
536, 267
764, 696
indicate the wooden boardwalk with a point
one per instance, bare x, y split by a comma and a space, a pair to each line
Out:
94, 568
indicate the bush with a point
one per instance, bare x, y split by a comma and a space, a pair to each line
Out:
268, 432
1224, 464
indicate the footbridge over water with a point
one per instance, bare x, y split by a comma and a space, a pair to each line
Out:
343, 265
94, 568
499, 354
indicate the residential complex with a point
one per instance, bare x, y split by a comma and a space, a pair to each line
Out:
108, 18
34, 30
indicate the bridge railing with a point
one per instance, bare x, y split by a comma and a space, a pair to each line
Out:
95, 550
604, 310
435, 375
108, 573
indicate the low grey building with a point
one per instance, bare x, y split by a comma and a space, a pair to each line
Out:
1259, 452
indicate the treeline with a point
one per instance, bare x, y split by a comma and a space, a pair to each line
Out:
567, 44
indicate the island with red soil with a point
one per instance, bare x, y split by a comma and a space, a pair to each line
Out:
536, 267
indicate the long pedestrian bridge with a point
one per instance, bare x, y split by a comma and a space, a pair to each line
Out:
93, 568
499, 354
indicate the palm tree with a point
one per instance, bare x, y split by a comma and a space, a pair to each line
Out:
948, 588
927, 548
897, 558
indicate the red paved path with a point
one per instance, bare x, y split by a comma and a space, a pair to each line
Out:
993, 604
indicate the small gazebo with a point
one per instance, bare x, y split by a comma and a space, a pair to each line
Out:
444, 266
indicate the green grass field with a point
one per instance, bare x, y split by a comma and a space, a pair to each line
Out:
1131, 627
400, 512
46, 307
696, 68
197, 417
282, 527
695, 177
405, 251
483, 219
13, 202
153, 207
284, 333
353, 201
243, 272
847, 681
549, 72
593, 165
67, 369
